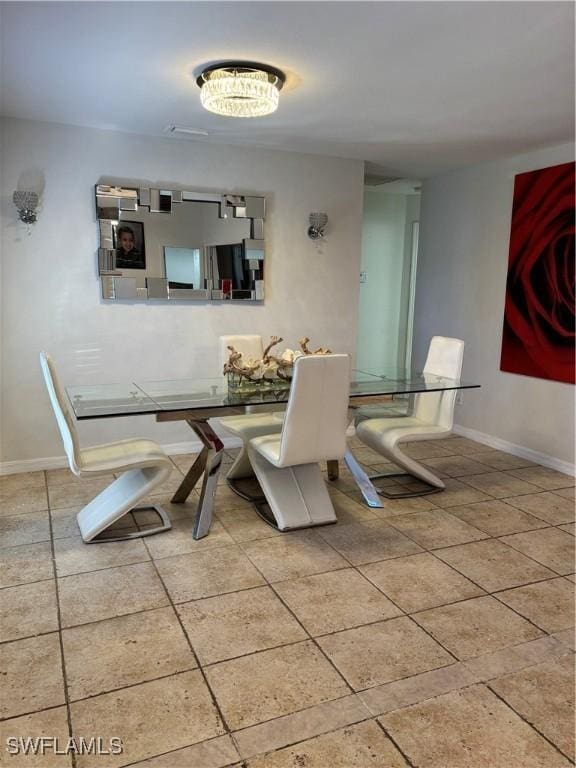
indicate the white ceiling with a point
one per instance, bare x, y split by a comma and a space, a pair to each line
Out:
415, 88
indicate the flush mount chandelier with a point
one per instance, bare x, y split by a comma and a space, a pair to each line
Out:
240, 89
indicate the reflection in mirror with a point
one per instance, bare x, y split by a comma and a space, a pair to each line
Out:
172, 244
183, 267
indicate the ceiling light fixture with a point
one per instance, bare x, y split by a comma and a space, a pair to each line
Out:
240, 89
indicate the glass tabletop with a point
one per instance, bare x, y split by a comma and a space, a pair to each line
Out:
106, 400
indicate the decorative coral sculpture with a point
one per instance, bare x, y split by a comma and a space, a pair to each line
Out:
270, 367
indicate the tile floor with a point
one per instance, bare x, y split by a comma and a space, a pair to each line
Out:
436, 632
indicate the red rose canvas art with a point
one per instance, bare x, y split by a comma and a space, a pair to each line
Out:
538, 336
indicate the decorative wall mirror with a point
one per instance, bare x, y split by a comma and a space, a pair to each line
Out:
170, 244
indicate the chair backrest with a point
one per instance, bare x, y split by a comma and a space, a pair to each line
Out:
65, 421
444, 359
316, 418
248, 346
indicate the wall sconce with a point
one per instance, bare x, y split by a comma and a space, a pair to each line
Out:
317, 223
26, 204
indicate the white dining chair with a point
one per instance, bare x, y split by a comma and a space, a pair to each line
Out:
258, 419
313, 430
143, 465
432, 418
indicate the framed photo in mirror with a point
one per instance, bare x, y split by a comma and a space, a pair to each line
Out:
129, 245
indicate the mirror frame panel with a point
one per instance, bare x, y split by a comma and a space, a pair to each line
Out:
112, 200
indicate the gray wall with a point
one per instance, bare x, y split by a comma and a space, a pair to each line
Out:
462, 268
51, 292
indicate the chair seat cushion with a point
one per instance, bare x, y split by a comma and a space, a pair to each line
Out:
383, 433
252, 425
268, 446
124, 454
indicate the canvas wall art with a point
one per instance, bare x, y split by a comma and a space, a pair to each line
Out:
538, 335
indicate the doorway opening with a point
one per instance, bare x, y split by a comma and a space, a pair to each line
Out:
390, 232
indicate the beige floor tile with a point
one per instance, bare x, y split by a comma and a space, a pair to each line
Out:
366, 455
469, 728
544, 477
62, 477
550, 546
567, 638
24, 529
298, 726
272, 683
571, 577
114, 653
225, 498
171, 485
179, 540
29, 609
214, 753
184, 460
20, 565
20, 501
546, 506
418, 582
64, 523
358, 746
204, 574
369, 542
425, 450
516, 657
301, 553
494, 565
569, 528
457, 492
51, 723
497, 518
77, 494
330, 602
151, 718
238, 623
501, 461
456, 466
476, 626
378, 653
460, 445
396, 507
566, 493
436, 528
117, 591
73, 555
31, 673
411, 690
348, 510
548, 604
21, 481
243, 524
499, 485
544, 696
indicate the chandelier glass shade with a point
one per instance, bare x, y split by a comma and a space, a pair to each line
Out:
240, 90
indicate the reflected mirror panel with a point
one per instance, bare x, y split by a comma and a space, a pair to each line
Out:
160, 244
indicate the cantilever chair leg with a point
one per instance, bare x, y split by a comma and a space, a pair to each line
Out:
412, 468
426, 491
119, 498
141, 532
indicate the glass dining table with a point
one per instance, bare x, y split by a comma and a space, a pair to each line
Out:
198, 400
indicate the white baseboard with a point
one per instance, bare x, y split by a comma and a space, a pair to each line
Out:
516, 450
60, 462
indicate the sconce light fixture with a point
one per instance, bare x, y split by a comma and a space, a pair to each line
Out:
26, 204
240, 89
317, 223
